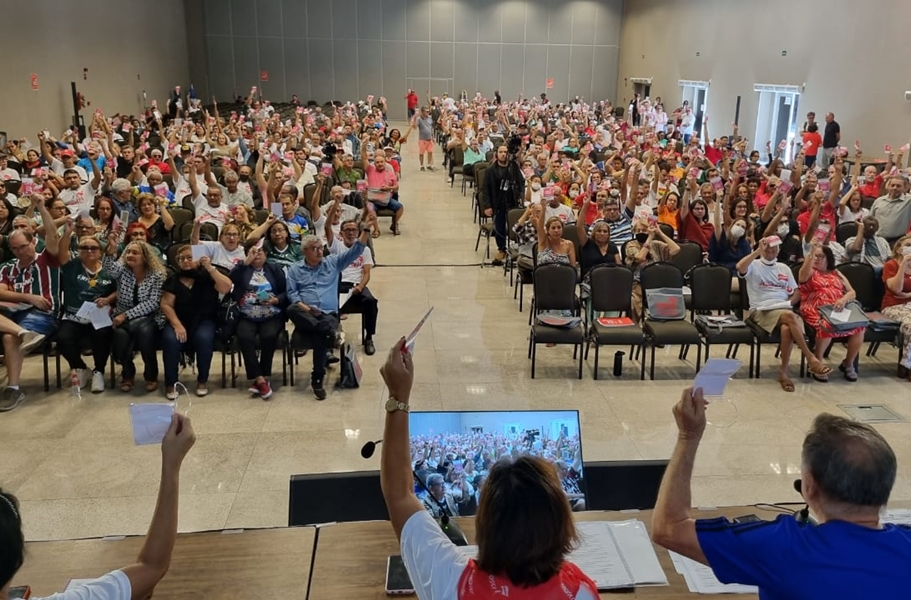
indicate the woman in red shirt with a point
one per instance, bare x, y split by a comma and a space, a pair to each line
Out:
811, 143
897, 299
693, 218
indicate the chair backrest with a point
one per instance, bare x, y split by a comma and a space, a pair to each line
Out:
844, 231
261, 215
171, 254
570, 234
867, 286
555, 287
689, 256
660, 274
711, 285
309, 191
512, 217
667, 230
611, 288
187, 203
180, 216
480, 172
457, 155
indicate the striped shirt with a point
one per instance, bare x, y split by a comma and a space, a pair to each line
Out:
135, 300
40, 278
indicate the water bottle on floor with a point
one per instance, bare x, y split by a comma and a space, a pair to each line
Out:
75, 387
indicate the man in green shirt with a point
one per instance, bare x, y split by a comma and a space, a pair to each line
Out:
345, 171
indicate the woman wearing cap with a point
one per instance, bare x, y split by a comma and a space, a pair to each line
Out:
524, 526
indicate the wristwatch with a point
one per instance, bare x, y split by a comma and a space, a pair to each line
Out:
393, 405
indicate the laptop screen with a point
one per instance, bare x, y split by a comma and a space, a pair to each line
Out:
452, 452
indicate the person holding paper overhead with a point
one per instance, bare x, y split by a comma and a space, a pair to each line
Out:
524, 525
313, 299
847, 474
85, 282
822, 285
139, 579
773, 291
31, 281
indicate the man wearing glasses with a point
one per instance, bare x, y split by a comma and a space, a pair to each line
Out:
31, 285
313, 295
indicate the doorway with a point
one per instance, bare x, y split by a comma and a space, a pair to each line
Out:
696, 93
776, 119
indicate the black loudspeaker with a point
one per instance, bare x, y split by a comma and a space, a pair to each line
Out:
623, 484
336, 497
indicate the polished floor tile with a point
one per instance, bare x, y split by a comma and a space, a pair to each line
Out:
72, 461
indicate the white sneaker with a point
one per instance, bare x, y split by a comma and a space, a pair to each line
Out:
29, 340
97, 382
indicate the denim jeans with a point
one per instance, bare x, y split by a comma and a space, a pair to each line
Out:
199, 343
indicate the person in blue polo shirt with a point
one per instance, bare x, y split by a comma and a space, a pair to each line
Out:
313, 297
847, 470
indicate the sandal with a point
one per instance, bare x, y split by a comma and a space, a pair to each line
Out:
375, 234
851, 374
786, 384
821, 369
819, 378
126, 385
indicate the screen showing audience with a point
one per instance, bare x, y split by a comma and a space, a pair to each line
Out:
452, 452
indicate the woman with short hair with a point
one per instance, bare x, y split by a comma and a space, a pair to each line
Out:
524, 527
189, 302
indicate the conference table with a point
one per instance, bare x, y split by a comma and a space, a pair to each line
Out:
274, 564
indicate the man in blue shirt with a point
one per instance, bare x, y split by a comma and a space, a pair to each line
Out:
313, 297
847, 470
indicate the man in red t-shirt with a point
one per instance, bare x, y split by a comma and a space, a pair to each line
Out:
413, 101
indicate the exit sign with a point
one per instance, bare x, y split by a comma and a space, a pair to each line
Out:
698, 53
784, 52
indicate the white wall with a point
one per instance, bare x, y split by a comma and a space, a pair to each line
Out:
127, 45
852, 56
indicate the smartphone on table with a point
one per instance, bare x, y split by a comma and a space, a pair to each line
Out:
398, 583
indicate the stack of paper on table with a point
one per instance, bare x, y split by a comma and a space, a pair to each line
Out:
701, 580
617, 554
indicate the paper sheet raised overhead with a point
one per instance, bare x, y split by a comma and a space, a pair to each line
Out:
700, 579
617, 554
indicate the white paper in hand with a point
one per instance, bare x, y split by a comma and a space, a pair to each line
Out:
409, 341
150, 422
714, 376
198, 251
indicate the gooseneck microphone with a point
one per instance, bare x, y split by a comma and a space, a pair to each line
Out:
369, 448
449, 527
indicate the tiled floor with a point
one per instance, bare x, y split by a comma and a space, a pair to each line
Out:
72, 463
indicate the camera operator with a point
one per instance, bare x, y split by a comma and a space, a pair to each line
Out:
504, 185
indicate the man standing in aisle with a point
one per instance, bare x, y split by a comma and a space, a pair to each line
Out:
424, 124
503, 186
412, 98
830, 140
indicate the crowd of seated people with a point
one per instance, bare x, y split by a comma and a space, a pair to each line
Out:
181, 230
453, 467
654, 185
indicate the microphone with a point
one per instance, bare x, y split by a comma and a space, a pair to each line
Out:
449, 527
369, 448
803, 515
